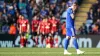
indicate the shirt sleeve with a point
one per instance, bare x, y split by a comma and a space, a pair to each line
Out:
27, 21
70, 11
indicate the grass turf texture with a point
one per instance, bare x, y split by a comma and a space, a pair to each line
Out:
46, 52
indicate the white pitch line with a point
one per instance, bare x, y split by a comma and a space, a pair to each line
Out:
44, 53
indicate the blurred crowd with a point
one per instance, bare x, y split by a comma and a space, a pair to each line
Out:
11, 9
92, 25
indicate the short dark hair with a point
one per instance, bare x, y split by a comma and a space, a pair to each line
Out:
75, 3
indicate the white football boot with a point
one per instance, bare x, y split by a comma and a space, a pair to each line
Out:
80, 52
67, 53
21, 46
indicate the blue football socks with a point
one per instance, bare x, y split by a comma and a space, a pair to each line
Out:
66, 43
75, 43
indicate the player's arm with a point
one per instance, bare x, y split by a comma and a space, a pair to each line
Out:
73, 16
38, 29
20, 29
28, 27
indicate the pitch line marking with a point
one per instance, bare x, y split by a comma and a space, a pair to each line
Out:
44, 53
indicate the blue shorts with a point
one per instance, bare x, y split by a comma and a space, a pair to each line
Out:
70, 32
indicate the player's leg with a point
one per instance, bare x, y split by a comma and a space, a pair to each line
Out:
33, 37
51, 40
66, 42
48, 45
36, 38
21, 40
42, 39
53, 34
25, 38
75, 42
74, 38
76, 46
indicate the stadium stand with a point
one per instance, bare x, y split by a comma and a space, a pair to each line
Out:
92, 20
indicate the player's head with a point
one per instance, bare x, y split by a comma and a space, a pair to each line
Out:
22, 17
46, 19
53, 17
35, 18
75, 6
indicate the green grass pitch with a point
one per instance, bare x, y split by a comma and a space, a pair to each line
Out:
46, 52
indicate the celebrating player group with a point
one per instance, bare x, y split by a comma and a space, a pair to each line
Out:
46, 28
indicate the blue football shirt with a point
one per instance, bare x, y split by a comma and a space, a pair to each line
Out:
69, 20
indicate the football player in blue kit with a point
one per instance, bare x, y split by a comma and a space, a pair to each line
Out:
71, 30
